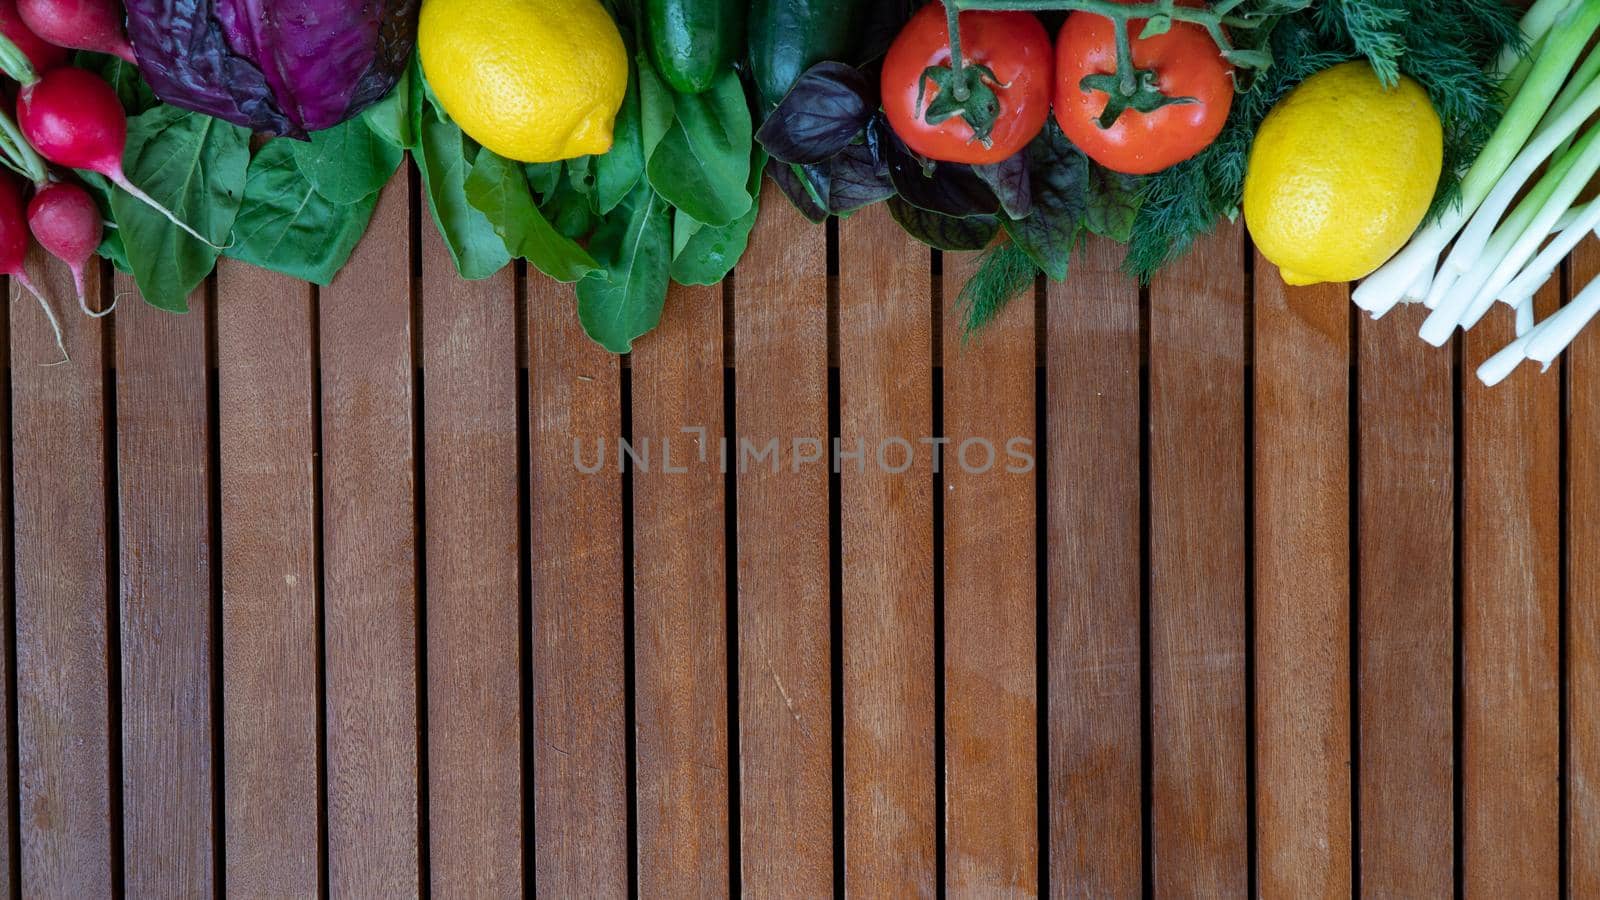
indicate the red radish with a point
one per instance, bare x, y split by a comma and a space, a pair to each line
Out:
14, 248
73, 118
65, 221
42, 54
80, 24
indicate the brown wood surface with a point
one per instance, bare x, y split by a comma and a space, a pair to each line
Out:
470, 500
1511, 681
164, 507
271, 599
1582, 776
578, 618
1302, 586
1095, 578
59, 469
680, 598
370, 564
458, 709
1405, 617
785, 682
1197, 580
886, 541
990, 602
10, 833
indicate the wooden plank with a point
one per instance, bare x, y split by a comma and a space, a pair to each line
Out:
580, 762
990, 602
1511, 681
370, 562
680, 600
164, 522
469, 411
58, 432
1583, 595
1095, 578
891, 820
270, 594
1405, 620
1302, 579
10, 834
785, 702
1197, 577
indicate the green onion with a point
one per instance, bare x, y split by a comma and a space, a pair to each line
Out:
1566, 38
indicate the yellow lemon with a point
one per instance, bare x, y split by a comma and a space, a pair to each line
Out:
1341, 173
532, 80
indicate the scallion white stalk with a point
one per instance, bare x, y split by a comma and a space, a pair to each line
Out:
1470, 248
1568, 34
1575, 224
1518, 240
1545, 341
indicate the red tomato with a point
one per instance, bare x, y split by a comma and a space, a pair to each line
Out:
1013, 45
1185, 62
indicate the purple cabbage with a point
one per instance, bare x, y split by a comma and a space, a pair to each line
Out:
283, 67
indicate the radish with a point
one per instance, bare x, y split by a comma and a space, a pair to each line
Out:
65, 221
74, 119
80, 24
42, 54
14, 249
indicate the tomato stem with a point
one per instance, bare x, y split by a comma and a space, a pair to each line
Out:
1131, 87
965, 90
952, 17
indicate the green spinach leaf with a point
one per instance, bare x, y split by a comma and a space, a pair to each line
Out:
285, 224
498, 188
444, 156
347, 163
623, 299
702, 254
390, 118
195, 166
618, 171
702, 162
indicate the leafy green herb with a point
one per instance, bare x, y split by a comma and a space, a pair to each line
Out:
619, 170
702, 254
702, 161
195, 166
287, 225
444, 156
1004, 272
347, 163
622, 300
1446, 47
390, 118
499, 190
944, 232
1059, 175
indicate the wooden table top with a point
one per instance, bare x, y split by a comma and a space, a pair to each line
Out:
308, 592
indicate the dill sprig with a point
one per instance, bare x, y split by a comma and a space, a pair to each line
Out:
1446, 45
1004, 271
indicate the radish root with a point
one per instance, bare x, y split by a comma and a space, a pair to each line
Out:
133, 190
22, 279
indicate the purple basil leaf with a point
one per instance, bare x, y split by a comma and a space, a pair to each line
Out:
288, 68
950, 189
1060, 175
858, 177
824, 111
1010, 182
789, 181
944, 232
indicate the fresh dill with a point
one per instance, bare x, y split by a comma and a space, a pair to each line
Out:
1446, 46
